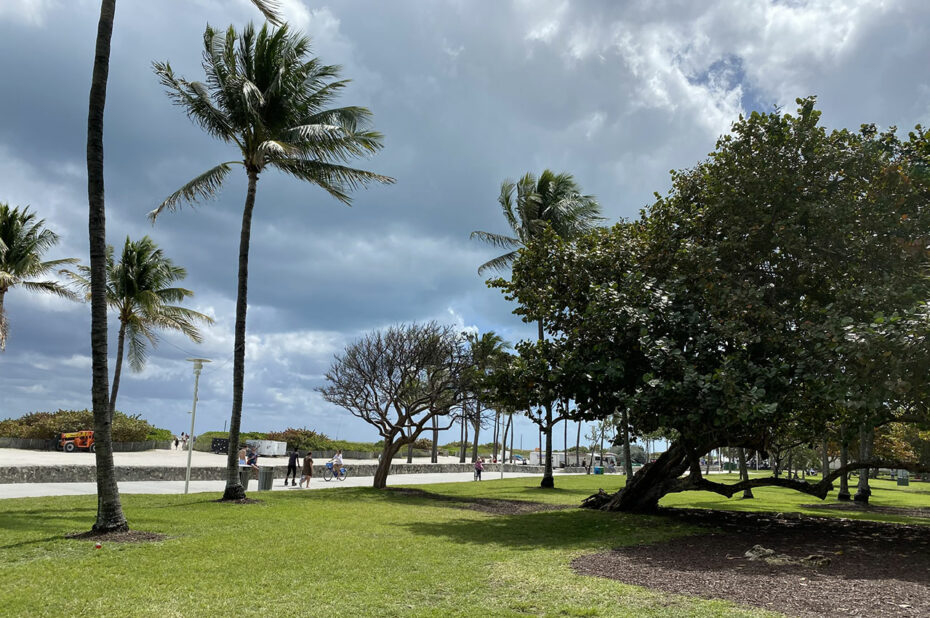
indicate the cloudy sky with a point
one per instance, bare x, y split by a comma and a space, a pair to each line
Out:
466, 93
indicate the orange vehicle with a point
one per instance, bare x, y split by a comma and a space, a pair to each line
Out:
75, 440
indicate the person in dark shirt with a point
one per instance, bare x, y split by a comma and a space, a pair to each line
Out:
292, 468
251, 458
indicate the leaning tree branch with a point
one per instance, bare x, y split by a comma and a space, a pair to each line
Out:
819, 490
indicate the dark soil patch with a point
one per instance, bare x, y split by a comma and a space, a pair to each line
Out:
874, 569
493, 506
127, 536
913, 511
239, 501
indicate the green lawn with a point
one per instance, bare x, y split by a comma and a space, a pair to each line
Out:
349, 552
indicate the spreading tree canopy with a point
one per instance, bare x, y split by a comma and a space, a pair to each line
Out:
779, 286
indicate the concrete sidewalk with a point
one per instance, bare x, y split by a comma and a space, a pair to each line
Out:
33, 490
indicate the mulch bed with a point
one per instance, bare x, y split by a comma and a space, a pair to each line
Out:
127, 536
492, 506
874, 569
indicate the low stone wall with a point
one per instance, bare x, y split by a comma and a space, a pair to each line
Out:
88, 474
33, 444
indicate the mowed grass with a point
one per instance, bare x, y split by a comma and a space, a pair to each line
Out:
350, 552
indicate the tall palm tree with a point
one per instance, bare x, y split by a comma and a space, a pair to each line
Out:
110, 517
530, 205
140, 291
266, 95
23, 241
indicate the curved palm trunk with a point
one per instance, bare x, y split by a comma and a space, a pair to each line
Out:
3, 323
117, 369
234, 489
110, 516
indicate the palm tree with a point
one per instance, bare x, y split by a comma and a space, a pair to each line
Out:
268, 97
110, 517
23, 240
139, 290
530, 205
488, 353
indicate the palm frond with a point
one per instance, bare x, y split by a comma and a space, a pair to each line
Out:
195, 99
271, 10
200, 188
52, 287
137, 352
334, 179
497, 240
501, 262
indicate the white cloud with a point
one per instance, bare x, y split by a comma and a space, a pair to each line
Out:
28, 12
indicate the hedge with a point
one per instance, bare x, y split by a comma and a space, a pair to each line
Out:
48, 425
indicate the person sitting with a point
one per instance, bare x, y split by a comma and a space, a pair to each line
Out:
242, 457
252, 458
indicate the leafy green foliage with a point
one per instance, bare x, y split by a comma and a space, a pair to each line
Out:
47, 425
777, 288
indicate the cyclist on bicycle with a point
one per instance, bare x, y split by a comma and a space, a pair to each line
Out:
337, 462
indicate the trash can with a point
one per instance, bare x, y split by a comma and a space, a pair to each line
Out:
903, 478
598, 470
265, 478
245, 473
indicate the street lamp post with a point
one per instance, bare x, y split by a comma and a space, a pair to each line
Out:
198, 365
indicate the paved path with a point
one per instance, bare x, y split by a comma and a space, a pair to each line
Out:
31, 490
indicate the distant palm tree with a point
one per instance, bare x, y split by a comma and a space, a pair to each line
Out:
530, 206
139, 289
268, 97
23, 241
488, 353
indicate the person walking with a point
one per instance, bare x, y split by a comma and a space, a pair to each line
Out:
479, 467
308, 470
292, 468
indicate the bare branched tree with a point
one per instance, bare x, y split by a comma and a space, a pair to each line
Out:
398, 381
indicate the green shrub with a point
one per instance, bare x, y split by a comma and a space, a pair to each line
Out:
159, 435
46, 425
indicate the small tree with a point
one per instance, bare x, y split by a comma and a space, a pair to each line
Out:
398, 381
140, 290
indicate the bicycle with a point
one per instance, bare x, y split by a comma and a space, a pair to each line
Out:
329, 473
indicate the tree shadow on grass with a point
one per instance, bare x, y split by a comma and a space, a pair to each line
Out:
562, 529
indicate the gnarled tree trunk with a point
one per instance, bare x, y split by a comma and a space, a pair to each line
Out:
644, 490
